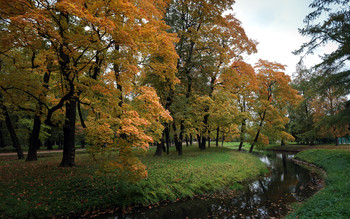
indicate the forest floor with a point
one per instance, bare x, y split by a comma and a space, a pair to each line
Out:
41, 189
333, 201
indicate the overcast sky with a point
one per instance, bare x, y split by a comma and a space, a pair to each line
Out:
274, 24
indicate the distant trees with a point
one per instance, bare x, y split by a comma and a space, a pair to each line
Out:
326, 86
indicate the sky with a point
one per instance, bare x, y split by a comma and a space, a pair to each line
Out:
274, 24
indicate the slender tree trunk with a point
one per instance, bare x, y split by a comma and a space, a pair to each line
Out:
205, 122
167, 138
158, 150
283, 142
217, 136
181, 138
242, 135
48, 144
203, 142
186, 139
34, 138
12, 132
199, 141
191, 140
259, 129
208, 141
160, 146
2, 142
223, 139
336, 141
177, 139
68, 159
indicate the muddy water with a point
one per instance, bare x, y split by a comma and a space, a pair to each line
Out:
270, 196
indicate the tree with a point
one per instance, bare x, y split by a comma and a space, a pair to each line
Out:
334, 28
273, 96
241, 82
100, 51
209, 41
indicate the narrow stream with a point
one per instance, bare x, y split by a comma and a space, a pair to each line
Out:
270, 196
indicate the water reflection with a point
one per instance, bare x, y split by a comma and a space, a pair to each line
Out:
263, 198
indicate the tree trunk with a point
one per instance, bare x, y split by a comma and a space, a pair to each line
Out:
186, 141
167, 138
208, 139
283, 142
159, 149
242, 135
181, 137
177, 139
199, 141
203, 142
68, 159
2, 142
48, 144
336, 141
217, 136
12, 132
191, 140
34, 139
223, 139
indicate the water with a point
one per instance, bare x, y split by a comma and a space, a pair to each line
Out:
268, 197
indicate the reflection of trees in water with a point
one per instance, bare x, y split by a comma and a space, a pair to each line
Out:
263, 198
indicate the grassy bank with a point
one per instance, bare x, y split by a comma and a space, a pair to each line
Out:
334, 200
41, 189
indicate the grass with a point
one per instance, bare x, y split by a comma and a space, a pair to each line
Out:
41, 189
334, 200
298, 148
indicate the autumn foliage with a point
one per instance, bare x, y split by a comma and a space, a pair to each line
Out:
125, 74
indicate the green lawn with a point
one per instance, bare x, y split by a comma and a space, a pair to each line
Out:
334, 200
41, 189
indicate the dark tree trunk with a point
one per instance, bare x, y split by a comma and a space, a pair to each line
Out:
283, 142
68, 159
191, 140
203, 142
12, 132
336, 141
34, 139
208, 142
186, 141
240, 146
242, 135
255, 140
223, 139
159, 149
181, 137
217, 136
199, 141
258, 133
82, 142
167, 138
178, 141
48, 144
2, 142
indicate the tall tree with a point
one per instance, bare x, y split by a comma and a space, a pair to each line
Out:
241, 82
274, 94
330, 22
208, 42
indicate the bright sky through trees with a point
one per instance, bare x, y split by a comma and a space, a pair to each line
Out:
274, 24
